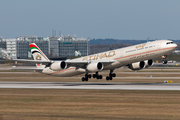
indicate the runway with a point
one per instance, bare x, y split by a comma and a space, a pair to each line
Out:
89, 85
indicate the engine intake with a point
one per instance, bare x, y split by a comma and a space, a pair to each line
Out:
148, 63
137, 65
95, 67
60, 65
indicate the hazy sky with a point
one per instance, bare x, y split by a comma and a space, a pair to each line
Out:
119, 19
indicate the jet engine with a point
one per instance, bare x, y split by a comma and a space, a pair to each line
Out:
60, 65
137, 65
95, 67
148, 62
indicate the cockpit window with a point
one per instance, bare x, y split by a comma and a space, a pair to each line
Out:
169, 43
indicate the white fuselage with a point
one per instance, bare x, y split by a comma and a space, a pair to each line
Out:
123, 56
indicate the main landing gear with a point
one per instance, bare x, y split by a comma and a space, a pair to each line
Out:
111, 75
97, 76
164, 59
87, 76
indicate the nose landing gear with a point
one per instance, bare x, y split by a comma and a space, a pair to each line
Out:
164, 59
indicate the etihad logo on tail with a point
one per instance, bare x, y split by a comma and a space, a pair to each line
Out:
38, 57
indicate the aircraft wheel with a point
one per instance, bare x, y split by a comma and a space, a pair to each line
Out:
113, 75
83, 79
107, 78
110, 78
100, 76
86, 75
94, 75
165, 61
89, 76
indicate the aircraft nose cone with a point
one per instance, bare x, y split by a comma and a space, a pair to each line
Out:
176, 45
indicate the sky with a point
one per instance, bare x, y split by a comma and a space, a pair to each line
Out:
118, 19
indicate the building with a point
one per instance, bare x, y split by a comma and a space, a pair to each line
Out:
3, 50
67, 45
2, 43
11, 48
22, 46
19, 48
56, 46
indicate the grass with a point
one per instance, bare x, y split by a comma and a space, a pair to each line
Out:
48, 104
60, 104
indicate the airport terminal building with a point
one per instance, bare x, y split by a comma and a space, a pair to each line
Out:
67, 45
54, 46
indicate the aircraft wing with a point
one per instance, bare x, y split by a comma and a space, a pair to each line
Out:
32, 61
70, 63
83, 64
87, 61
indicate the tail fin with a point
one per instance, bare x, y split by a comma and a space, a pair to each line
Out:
38, 54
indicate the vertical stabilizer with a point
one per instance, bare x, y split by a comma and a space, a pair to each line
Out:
38, 54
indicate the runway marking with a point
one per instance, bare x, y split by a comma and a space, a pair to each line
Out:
81, 85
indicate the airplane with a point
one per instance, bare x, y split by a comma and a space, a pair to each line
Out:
136, 57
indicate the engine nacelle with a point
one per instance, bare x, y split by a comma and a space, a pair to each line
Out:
148, 63
60, 65
137, 65
95, 67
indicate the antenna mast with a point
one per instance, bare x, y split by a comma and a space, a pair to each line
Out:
59, 32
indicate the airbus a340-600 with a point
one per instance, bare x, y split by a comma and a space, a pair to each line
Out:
136, 57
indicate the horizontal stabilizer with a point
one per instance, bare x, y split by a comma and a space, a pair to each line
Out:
26, 68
